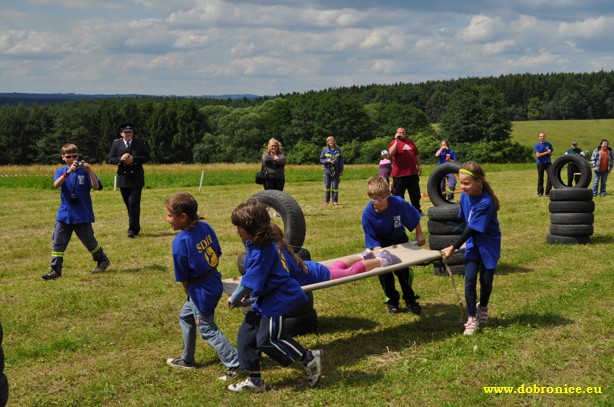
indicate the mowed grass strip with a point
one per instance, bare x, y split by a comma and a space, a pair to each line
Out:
92, 340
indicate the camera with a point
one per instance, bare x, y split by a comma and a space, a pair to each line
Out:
79, 164
73, 199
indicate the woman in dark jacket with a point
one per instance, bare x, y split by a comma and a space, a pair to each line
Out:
275, 162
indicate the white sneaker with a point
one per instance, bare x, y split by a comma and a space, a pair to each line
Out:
248, 385
471, 326
313, 369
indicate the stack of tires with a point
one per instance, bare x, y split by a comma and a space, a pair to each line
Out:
444, 225
303, 319
4, 384
571, 208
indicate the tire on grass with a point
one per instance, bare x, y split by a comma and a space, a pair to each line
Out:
302, 323
444, 212
555, 239
290, 212
433, 185
571, 206
446, 227
571, 194
438, 242
439, 269
584, 167
301, 309
571, 230
572, 218
4, 390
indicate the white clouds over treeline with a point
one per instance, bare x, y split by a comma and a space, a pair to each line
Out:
196, 47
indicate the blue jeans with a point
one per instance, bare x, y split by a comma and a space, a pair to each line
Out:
472, 268
603, 176
331, 185
191, 319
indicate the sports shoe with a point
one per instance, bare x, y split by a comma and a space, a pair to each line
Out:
313, 369
393, 309
482, 314
471, 326
337, 203
388, 259
52, 275
367, 254
248, 385
102, 266
231, 373
324, 203
180, 363
414, 307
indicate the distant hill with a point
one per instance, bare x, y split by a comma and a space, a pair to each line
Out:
47, 98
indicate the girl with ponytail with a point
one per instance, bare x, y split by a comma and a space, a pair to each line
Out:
478, 207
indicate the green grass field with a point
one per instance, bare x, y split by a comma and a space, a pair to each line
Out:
588, 133
102, 340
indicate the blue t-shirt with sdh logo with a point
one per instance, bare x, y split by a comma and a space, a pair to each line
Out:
196, 252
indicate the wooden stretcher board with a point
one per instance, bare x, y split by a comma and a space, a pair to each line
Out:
409, 253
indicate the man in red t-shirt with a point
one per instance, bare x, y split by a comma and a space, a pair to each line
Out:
406, 167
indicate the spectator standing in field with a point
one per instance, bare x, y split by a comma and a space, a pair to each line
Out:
406, 168
446, 155
332, 159
543, 150
76, 213
573, 172
275, 163
129, 154
385, 166
601, 160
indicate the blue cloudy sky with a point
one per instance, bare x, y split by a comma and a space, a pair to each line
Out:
212, 47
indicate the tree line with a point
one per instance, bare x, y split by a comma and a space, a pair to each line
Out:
475, 114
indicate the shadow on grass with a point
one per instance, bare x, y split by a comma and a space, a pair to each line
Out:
533, 320
151, 267
438, 322
597, 239
506, 268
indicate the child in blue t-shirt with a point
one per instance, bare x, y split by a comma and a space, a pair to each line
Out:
196, 255
384, 221
446, 155
478, 207
274, 294
76, 213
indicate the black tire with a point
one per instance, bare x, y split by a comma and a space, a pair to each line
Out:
302, 324
433, 185
571, 206
439, 269
241, 263
4, 390
438, 242
571, 230
557, 166
571, 194
446, 227
572, 218
1, 360
457, 258
303, 254
1, 333
301, 309
555, 239
444, 212
291, 214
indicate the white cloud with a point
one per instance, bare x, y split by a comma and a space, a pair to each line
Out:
275, 46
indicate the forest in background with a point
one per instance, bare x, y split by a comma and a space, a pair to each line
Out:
474, 113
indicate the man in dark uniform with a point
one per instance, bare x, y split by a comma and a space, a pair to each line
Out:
130, 154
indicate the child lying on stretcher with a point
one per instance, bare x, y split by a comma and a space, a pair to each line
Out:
310, 272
